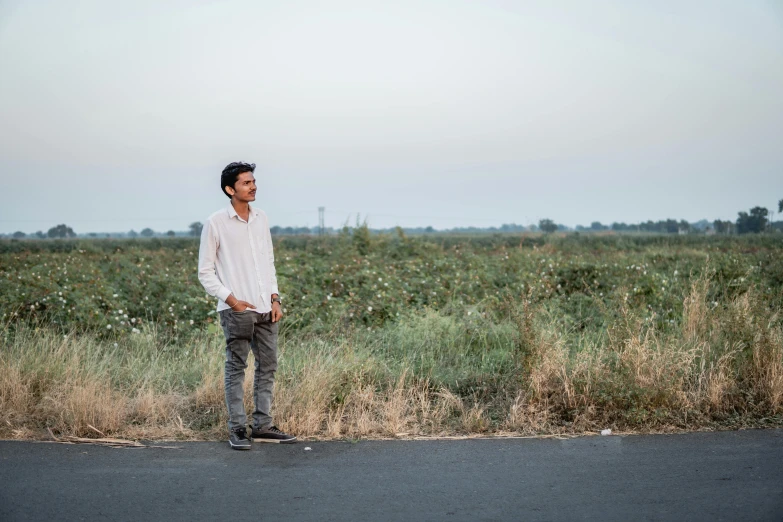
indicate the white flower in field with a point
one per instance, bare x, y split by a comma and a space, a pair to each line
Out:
115, 295
108, 327
380, 279
133, 320
59, 293
469, 312
32, 307
115, 345
369, 308
350, 315
385, 284
135, 330
285, 310
119, 312
184, 307
191, 322
328, 297
675, 272
125, 316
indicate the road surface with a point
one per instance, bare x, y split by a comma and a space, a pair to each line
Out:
697, 476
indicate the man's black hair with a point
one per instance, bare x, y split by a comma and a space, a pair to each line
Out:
232, 172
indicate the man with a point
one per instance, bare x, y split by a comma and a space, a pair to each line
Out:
236, 264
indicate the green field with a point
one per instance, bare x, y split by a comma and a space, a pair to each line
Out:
396, 336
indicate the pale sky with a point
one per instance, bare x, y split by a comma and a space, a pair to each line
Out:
121, 115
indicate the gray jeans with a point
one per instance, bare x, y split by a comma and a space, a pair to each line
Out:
245, 331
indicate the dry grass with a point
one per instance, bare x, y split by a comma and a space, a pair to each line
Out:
723, 363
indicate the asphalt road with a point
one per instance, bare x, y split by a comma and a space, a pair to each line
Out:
699, 476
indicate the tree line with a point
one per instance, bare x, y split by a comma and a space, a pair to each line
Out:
757, 220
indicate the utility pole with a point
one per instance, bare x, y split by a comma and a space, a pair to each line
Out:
321, 227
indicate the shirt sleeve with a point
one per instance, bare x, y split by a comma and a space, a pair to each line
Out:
271, 260
207, 258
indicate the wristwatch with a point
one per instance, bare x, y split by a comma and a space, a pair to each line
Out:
277, 300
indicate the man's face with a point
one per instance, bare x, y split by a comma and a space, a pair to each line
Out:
244, 189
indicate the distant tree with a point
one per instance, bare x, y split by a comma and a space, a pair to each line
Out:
671, 226
147, 232
133, 233
511, 227
651, 226
61, 231
547, 225
19, 235
683, 227
623, 227
40, 234
92, 234
700, 225
754, 222
780, 205
195, 228
596, 225
171, 233
723, 227
429, 230
361, 236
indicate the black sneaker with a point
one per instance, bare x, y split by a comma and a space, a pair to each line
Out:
272, 434
238, 439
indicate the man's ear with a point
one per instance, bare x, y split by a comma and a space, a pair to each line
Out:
230, 190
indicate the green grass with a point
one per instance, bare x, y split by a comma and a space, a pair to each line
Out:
441, 335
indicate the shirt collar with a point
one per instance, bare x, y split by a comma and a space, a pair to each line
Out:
232, 213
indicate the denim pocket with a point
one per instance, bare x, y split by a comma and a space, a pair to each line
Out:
240, 325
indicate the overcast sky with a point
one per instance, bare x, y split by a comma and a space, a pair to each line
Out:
121, 115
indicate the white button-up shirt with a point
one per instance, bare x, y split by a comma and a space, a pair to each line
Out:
235, 257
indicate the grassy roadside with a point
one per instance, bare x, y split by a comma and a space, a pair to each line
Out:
520, 370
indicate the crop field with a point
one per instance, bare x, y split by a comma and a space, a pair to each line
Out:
390, 336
